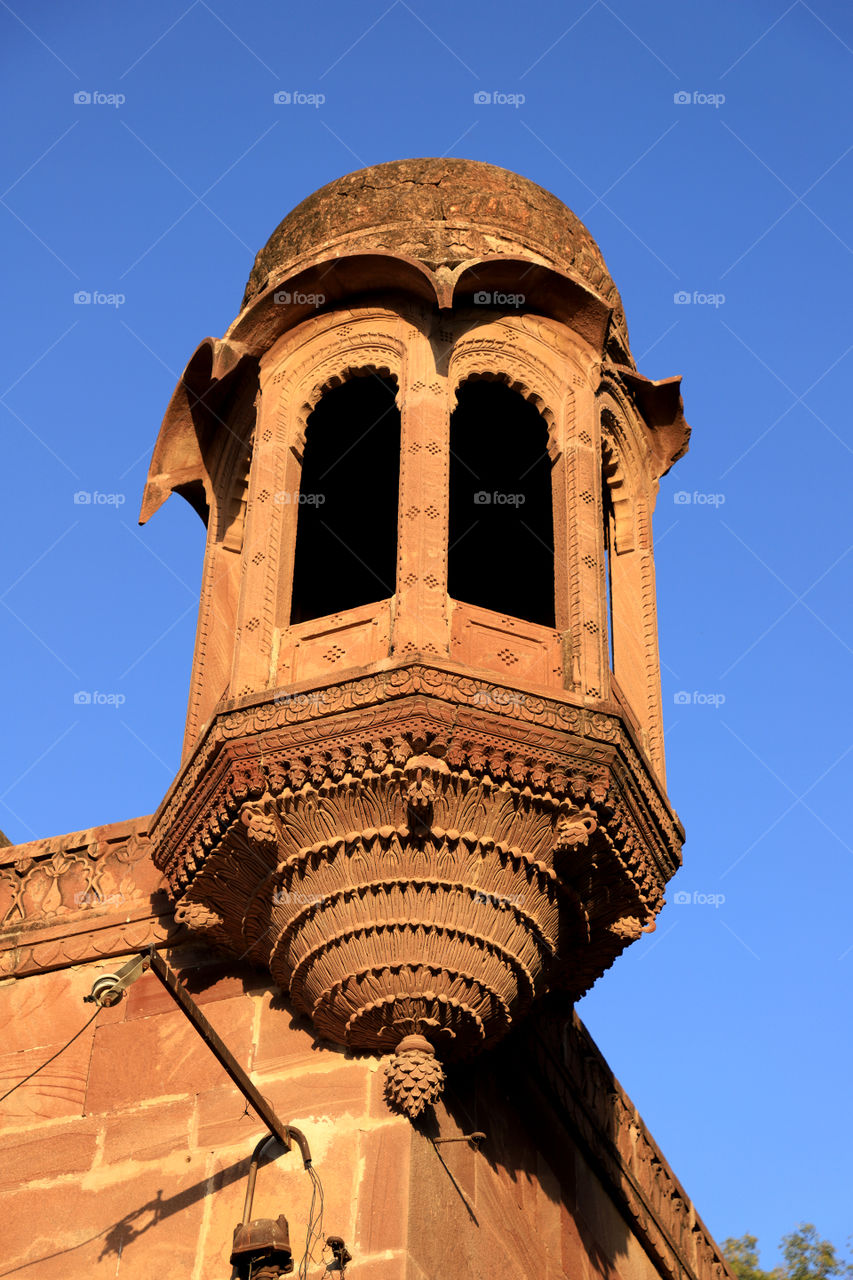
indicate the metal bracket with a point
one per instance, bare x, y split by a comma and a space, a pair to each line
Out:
474, 1138
109, 988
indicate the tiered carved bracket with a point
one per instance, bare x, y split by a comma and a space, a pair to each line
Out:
416, 866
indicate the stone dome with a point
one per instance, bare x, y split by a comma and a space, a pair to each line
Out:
440, 212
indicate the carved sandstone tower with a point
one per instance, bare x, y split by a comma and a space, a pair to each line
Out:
423, 775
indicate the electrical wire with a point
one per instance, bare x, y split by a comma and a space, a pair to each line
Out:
314, 1231
52, 1058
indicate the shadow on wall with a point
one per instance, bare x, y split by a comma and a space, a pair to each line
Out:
534, 1199
133, 1224
529, 1199
125, 1231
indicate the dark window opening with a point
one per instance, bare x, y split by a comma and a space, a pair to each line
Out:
501, 538
346, 535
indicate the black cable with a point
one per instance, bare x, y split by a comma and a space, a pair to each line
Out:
52, 1058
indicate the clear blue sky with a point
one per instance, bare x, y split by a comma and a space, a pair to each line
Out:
730, 1027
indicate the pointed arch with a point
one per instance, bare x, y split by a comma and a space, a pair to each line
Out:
346, 532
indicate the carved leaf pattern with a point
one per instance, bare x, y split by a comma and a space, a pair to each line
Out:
400, 861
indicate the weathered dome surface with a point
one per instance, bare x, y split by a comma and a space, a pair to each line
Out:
439, 211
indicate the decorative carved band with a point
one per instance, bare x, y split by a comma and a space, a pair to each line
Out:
73, 898
537, 723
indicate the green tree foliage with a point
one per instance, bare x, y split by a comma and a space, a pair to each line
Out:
807, 1257
742, 1256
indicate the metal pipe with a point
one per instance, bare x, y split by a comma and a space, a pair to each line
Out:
302, 1143
191, 1010
253, 1174
108, 990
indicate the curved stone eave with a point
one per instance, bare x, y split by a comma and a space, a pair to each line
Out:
336, 280
177, 458
546, 292
178, 463
661, 409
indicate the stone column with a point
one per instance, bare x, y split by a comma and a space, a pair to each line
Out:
422, 623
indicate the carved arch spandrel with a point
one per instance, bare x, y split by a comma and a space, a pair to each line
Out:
626, 435
619, 484
508, 350
326, 352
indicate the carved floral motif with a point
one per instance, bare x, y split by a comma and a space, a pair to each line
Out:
72, 898
575, 827
69, 875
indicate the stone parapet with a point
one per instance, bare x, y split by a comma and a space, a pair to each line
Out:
72, 898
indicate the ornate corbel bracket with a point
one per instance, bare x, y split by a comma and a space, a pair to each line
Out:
574, 827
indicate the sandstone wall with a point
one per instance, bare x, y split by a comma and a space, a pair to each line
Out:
127, 1156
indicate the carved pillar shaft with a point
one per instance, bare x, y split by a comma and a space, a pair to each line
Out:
257, 614
635, 633
421, 622
585, 553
